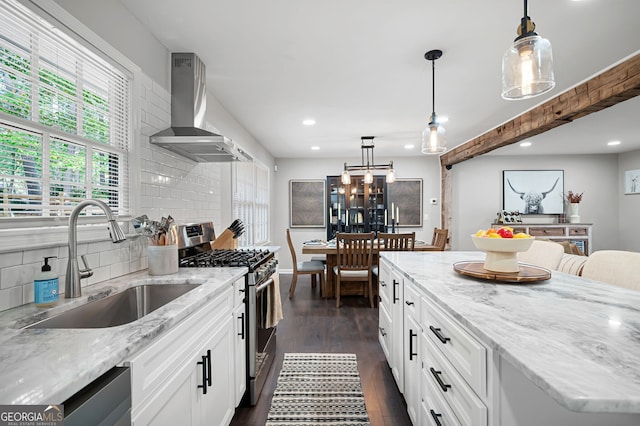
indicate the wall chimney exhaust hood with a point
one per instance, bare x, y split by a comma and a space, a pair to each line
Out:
186, 136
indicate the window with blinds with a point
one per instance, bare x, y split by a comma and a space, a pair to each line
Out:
251, 201
64, 120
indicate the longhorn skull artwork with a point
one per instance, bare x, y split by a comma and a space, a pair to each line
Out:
533, 198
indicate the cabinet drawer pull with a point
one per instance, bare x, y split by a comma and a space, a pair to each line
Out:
383, 284
383, 332
203, 363
439, 335
436, 417
409, 303
436, 375
241, 318
411, 336
209, 367
395, 299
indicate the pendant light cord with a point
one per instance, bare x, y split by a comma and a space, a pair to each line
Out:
433, 87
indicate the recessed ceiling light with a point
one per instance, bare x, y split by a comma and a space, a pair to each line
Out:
409, 146
525, 144
309, 122
315, 148
614, 143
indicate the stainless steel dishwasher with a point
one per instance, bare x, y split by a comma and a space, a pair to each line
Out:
105, 401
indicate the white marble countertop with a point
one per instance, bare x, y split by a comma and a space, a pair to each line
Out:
578, 340
46, 366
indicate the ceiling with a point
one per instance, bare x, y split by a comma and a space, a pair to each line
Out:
357, 67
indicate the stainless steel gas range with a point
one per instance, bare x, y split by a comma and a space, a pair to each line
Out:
194, 250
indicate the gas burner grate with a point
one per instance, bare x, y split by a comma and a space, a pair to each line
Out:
226, 257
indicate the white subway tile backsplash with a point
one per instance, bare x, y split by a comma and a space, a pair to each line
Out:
18, 275
11, 297
10, 259
111, 257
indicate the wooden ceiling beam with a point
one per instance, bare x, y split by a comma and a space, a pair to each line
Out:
615, 85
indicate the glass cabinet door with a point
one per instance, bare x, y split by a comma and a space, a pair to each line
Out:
357, 207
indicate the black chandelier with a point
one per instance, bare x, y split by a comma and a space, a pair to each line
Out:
366, 144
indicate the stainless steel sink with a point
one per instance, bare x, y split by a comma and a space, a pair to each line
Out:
119, 308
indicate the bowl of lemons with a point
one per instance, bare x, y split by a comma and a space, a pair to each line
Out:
501, 246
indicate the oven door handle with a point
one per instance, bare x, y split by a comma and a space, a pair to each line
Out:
264, 285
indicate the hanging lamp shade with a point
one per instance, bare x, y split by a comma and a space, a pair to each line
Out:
434, 140
345, 177
391, 174
527, 65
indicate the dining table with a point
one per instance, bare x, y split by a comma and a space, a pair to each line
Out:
329, 249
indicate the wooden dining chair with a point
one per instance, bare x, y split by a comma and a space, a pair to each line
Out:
354, 260
312, 268
439, 240
394, 242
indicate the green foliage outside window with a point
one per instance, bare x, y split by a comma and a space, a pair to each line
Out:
21, 152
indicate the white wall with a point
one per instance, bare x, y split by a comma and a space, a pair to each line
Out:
477, 193
628, 205
421, 166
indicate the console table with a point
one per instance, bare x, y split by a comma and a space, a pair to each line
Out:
577, 233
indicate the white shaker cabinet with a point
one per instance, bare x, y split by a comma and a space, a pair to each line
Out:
185, 376
240, 341
391, 324
412, 334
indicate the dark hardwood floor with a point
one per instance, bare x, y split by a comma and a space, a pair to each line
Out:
312, 324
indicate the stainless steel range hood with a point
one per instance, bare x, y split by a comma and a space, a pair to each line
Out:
186, 136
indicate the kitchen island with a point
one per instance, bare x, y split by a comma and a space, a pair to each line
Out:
562, 351
47, 366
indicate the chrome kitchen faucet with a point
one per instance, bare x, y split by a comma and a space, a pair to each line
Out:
74, 273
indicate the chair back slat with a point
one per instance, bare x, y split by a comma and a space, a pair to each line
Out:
440, 238
354, 251
292, 250
396, 242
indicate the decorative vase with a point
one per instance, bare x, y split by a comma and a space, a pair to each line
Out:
574, 208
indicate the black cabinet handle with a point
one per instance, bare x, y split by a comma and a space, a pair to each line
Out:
395, 283
436, 375
411, 336
436, 417
439, 335
382, 283
209, 367
241, 318
409, 303
203, 363
384, 333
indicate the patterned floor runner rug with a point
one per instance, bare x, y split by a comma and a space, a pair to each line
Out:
318, 389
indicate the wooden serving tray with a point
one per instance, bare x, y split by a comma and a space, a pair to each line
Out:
527, 273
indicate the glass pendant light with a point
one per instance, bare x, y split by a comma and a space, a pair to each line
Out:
391, 174
433, 136
345, 177
527, 66
368, 176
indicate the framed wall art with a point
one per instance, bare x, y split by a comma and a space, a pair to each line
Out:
406, 196
533, 191
632, 181
307, 203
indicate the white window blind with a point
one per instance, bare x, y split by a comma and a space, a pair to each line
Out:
251, 201
64, 121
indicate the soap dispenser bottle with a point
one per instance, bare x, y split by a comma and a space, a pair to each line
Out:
45, 286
